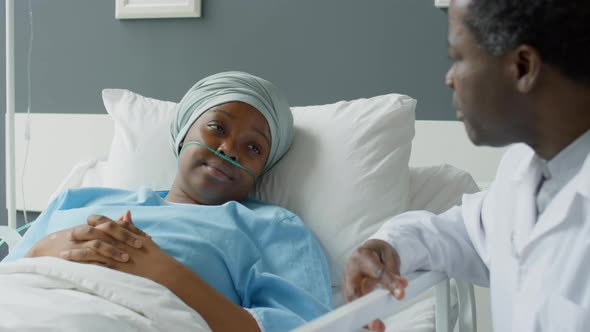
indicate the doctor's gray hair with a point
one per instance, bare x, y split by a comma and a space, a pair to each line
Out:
557, 29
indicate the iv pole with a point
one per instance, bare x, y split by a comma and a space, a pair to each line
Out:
10, 97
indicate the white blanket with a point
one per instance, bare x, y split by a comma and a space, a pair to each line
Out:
50, 294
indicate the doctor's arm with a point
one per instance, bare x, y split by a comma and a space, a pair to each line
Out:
454, 242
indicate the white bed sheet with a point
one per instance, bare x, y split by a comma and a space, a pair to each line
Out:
58, 295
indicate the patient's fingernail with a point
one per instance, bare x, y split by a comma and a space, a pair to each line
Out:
379, 273
404, 282
93, 217
136, 243
124, 257
397, 292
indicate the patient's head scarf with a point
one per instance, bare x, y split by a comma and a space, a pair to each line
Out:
243, 87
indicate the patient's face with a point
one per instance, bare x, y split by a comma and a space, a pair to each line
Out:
484, 95
235, 129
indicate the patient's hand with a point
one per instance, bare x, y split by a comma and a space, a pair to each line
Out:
150, 262
101, 241
375, 262
147, 259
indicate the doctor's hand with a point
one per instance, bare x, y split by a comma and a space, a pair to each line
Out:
375, 262
101, 241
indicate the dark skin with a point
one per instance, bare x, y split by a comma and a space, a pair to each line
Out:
515, 97
235, 129
206, 179
506, 99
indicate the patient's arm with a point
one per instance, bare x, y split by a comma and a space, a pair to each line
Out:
151, 262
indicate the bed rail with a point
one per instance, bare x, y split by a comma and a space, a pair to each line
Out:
10, 236
380, 303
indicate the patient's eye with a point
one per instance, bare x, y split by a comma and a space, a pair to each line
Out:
215, 126
255, 148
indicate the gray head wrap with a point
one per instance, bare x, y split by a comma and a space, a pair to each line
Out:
243, 87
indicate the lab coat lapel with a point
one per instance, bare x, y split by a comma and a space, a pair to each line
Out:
558, 210
525, 210
583, 179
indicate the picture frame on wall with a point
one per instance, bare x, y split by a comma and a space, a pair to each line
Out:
138, 9
442, 3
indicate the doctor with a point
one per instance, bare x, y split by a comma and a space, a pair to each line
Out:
521, 74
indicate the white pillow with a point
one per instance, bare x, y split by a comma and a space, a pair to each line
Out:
439, 188
346, 172
140, 153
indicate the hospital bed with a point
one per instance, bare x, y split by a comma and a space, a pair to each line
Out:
70, 150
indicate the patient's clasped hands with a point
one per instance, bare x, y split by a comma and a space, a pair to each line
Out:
118, 245
373, 263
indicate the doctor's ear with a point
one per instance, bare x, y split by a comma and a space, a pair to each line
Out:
527, 68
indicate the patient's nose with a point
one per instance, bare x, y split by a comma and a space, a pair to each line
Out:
222, 149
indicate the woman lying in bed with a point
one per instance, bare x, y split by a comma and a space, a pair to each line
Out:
241, 264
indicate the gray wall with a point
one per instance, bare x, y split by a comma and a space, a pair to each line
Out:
316, 51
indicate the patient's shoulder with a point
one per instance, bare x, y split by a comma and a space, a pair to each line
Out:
271, 211
90, 196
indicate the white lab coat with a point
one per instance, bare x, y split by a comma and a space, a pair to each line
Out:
538, 270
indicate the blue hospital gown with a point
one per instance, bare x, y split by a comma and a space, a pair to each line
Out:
260, 256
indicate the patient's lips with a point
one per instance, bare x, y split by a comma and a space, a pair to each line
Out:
219, 171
